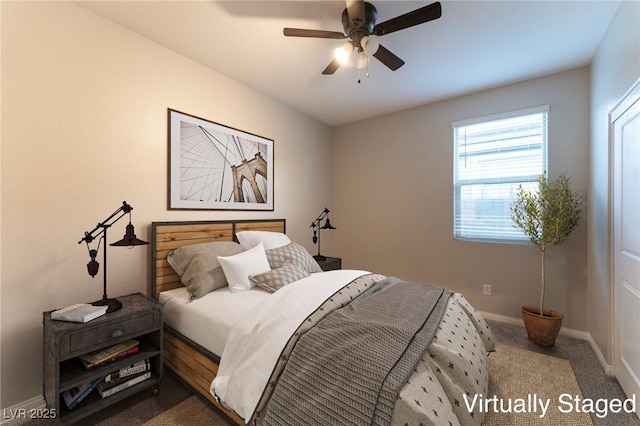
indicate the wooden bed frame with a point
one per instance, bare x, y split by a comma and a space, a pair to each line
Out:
192, 363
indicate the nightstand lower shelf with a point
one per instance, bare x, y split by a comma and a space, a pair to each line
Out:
94, 403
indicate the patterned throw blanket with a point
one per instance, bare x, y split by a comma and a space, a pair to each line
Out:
350, 367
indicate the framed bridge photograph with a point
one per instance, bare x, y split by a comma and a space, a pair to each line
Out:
216, 167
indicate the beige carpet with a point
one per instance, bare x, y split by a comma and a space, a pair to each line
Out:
190, 412
513, 374
517, 373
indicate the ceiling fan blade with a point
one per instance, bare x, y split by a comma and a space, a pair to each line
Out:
416, 17
298, 32
385, 56
332, 67
355, 10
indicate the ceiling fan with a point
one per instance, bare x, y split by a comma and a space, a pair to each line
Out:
359, 22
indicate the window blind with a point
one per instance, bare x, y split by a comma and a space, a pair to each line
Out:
492, 156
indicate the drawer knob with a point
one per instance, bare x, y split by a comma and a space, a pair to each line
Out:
117, 333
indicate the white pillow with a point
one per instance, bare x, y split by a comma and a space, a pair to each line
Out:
270, 239
237, 268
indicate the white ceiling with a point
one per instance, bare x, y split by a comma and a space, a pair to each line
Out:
475, 45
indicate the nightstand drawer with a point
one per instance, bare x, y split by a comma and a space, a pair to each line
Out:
102, 336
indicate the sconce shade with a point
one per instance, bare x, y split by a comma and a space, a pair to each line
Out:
129, 238
327, 225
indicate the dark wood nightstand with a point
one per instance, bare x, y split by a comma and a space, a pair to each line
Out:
140, 319
330, 263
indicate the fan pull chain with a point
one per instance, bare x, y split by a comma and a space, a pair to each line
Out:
366, 74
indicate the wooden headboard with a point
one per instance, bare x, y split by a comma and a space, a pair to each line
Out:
167, 236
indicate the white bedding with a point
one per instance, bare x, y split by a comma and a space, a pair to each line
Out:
245, 368
209, 319
252, 328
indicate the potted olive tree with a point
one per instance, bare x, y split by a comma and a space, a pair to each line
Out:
548, 217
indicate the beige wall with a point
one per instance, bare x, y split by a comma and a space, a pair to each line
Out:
615, 68
393, 199
84, 113
83, 118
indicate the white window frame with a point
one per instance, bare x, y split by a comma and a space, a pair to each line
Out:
474, 233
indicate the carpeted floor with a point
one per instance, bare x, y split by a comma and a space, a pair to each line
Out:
191, 411
592, 382
526, 397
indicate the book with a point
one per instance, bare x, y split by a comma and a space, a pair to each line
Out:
136, 367
106, 354
124, 385
90, 366
80, 312
103, 386
74, 396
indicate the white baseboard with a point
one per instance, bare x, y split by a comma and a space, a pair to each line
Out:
502, 318
608, 368
23, 410
582, 335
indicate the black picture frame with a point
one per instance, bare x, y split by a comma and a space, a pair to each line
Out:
217, 167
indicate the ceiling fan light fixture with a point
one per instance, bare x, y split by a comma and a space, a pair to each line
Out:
343, 52
370, 45
359, 24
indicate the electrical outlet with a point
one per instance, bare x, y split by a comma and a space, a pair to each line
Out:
486, 289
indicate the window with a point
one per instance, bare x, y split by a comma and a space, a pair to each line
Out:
492, 157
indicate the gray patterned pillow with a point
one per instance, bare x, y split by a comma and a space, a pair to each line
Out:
199, 268
275, 279
295, 254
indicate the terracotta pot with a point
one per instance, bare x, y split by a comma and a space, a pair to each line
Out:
544, 329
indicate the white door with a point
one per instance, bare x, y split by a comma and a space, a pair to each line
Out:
625, 121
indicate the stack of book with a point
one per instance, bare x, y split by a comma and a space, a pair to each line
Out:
114, 382
125, 378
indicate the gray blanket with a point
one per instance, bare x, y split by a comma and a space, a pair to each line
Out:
350, 367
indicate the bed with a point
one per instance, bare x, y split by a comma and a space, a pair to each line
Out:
258, 373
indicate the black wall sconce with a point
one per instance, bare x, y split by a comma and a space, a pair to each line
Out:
316, 227
100, 230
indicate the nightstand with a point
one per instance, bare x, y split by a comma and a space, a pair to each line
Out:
140, 319
330, 263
